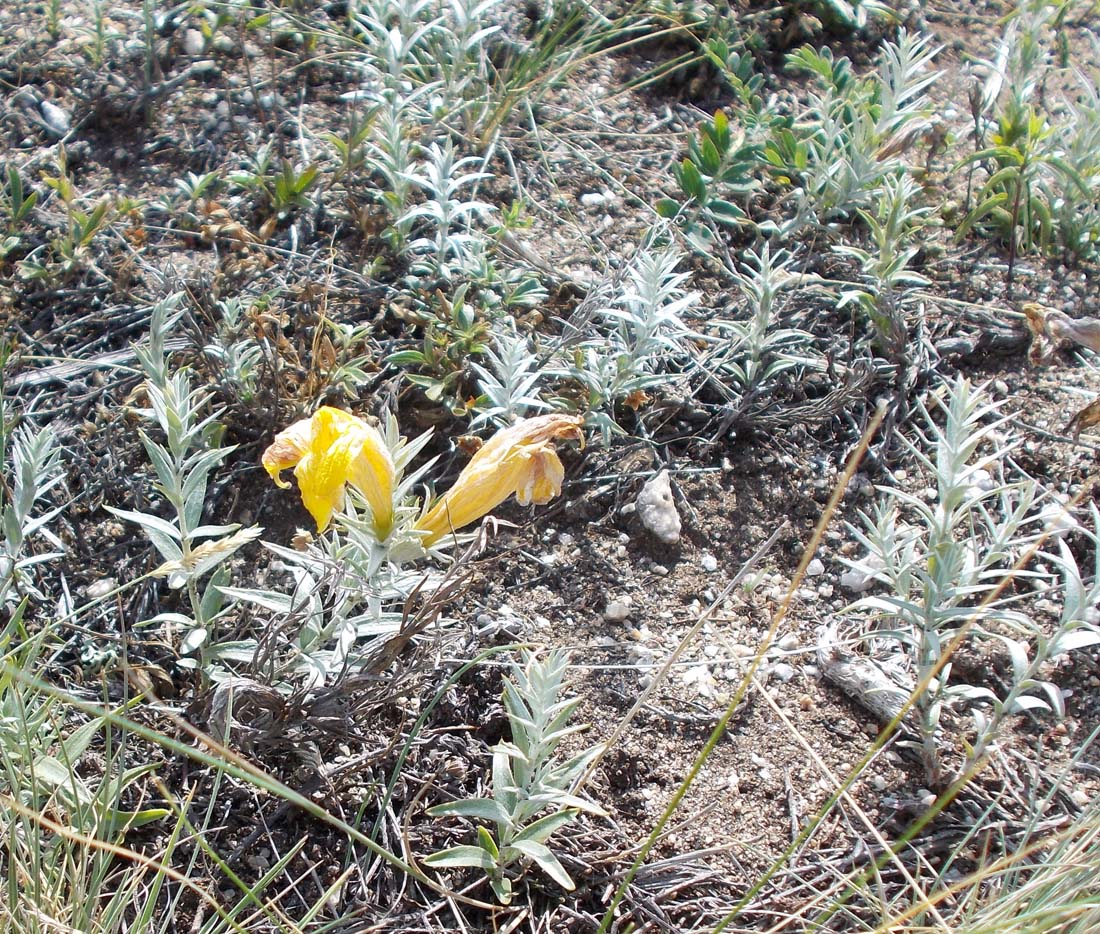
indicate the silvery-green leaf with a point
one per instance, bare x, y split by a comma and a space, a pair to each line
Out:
1073, 640
1027, 702
476, 808
193, 641
541, 855
458, 857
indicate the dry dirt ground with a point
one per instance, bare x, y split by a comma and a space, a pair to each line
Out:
551, 580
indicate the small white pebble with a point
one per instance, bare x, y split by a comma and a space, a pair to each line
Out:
100, 588
56, 119
616, 611
783, 672
193, 42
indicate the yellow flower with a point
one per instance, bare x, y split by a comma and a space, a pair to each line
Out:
520, 460
328, 451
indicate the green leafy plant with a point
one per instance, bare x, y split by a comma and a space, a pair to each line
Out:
45, 750
291, 187
183, 463
32, 469
510, 383
855, 132
752, 352
639, 338
1040, 190
734, 62
889, 283
351, 146
236, 356
67, 253
528, 779
445, 217
939, 559
455, 332
1012, 202
17, 204
841, 14
719, 166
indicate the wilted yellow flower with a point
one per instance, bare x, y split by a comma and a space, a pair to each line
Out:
328, 451
520, 460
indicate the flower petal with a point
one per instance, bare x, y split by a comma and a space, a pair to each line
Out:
517, 460
335, 441
374, 475
289, 447
545, 478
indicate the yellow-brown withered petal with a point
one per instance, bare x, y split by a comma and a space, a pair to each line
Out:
544, 478
519, 460
289, 447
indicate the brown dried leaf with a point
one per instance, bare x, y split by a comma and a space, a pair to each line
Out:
1062, 329
1086, 418
1051, 330
1035, 315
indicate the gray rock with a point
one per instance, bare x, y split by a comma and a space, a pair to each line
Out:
616, 611
56, 119
26, 96
1057, 521
193, 42
100, 588
783, 672
787, 643
657, 509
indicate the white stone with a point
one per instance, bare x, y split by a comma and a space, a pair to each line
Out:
979, 480
657, 509
56, 118
861, 576
1057, 520
193, 42
709, 563
783, 672
815, 568
100, 588
616, 611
